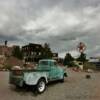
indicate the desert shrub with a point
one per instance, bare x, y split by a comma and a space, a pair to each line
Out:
8, 67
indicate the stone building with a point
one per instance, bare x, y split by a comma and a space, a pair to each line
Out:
5, 50
6, 57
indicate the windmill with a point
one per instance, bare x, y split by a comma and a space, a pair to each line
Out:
81, 47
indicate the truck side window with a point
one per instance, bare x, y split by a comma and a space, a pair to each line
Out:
53, 64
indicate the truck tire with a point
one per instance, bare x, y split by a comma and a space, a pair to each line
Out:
41, 86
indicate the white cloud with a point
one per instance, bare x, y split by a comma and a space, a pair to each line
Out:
74, 53
62, 55
89, 10
3, 20
55, 21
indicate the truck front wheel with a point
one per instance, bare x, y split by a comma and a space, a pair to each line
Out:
41, 86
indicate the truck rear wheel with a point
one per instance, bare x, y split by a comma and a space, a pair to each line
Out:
41, 86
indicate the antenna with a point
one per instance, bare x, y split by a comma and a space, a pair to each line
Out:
6, 43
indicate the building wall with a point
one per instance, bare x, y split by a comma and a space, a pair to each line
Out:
5, 50
32, 52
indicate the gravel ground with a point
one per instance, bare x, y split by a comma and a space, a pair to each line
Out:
75, 87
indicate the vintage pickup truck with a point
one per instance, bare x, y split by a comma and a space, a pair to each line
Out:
47, 70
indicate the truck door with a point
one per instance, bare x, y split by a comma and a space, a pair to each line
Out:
53, 72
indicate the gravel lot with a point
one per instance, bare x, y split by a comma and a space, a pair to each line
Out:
75, 87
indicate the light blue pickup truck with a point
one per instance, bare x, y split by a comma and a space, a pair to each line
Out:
46, 71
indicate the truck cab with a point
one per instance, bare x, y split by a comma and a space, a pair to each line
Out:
54, 71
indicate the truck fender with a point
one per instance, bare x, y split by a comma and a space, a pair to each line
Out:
32, 79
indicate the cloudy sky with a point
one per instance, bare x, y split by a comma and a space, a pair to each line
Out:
61, 23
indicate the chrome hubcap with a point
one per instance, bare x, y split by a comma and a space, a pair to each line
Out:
41, 86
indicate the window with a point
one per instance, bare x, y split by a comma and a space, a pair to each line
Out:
32, 53
39, 53
53, 64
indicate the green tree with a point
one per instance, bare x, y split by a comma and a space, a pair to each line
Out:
82, 57
17, 52
68, 60
47, 53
